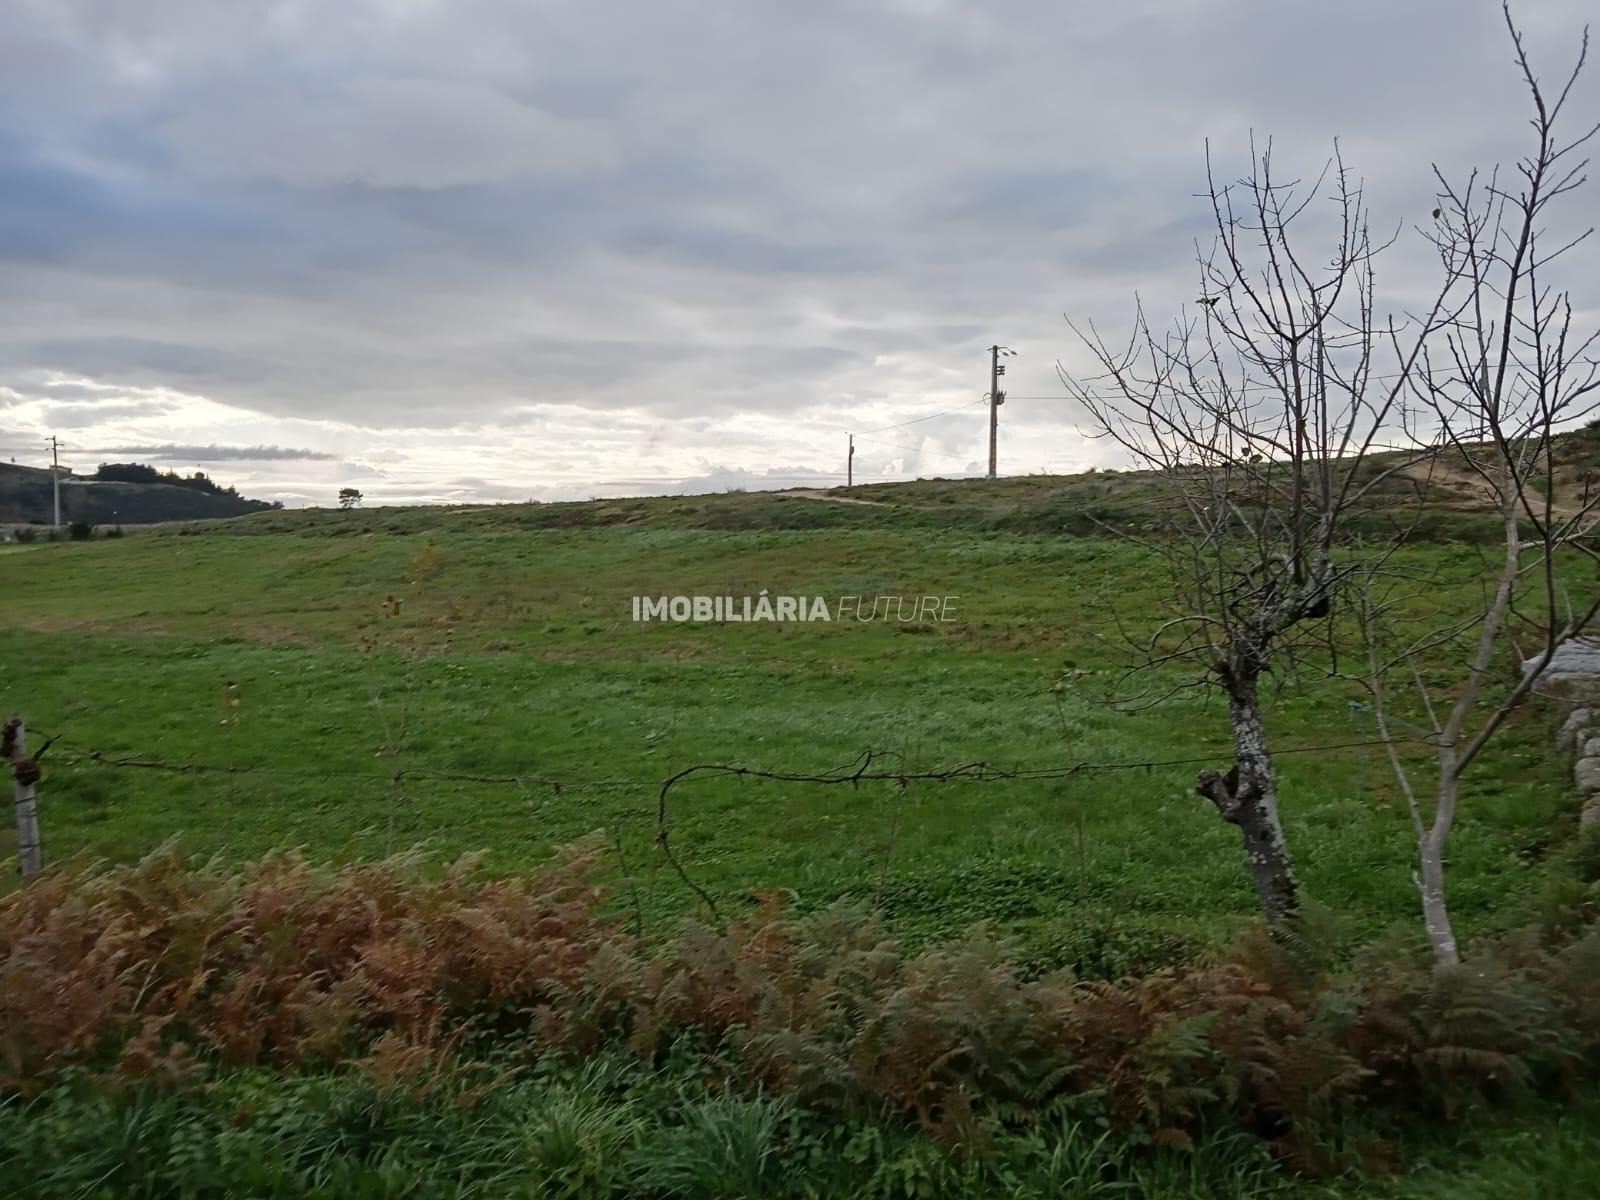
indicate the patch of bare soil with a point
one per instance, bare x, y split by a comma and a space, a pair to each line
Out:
1454, 485
813, 494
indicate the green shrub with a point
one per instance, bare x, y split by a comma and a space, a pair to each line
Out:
722, 1147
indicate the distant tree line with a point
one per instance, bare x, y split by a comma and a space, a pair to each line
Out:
26, 497
140, 473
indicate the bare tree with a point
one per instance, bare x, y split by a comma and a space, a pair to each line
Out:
1501, 379
1263, 412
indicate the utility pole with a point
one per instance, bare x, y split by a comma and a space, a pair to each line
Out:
55, 476
996, 398
850, 464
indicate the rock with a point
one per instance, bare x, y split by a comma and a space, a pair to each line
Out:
1573, 672
1587, 774
1575, 729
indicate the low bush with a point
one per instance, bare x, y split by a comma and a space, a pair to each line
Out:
169, 972
150, 970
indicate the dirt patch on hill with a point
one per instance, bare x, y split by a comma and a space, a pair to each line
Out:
813, 494
1452, 484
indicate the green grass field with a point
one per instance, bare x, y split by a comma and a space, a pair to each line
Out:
516, 658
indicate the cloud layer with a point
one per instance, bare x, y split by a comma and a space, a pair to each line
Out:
487, 249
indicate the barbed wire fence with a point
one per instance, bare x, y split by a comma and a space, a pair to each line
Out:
868, 767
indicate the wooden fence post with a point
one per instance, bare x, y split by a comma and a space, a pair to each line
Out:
24, 776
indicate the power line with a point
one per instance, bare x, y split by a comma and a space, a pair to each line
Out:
913, 449
1251, 386
929, 417
735, 482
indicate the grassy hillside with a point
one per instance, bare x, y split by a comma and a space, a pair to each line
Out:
302, 667
472, 679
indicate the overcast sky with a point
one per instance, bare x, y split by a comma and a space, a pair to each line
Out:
500, 249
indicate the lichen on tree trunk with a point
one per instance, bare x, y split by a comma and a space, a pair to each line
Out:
1247, 796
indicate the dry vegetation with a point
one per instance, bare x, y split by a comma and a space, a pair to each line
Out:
166, 972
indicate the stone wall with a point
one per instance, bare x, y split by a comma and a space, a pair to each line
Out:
1573, 678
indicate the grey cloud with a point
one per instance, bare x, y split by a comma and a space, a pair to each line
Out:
358, 470
142, 359
215, 453
383, 132
81, 416
459, 217
67, 389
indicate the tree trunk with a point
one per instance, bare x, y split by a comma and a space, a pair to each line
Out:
1434, 913
1248, 797
24, 775
1430, 853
